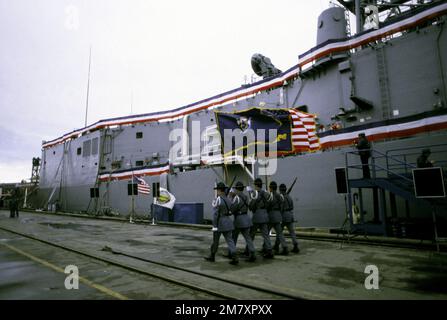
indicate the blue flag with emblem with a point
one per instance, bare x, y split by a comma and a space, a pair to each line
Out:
259, 119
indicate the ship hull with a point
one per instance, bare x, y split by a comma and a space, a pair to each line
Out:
392, 87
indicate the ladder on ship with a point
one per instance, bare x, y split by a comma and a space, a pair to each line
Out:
383, 80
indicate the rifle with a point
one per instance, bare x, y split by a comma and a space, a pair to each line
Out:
231, 185
293, 184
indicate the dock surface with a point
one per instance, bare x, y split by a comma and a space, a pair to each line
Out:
119, 260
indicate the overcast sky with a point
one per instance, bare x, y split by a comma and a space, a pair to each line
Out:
166, 54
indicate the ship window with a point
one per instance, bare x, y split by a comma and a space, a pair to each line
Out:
139, 135
79, 151
95, 146
129, 189
107, 144
139, 163
86, 146
94, 192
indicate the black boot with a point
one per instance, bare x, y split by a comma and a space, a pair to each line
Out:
295, 248
285, 251
211, 258
252, 257
268, 254
276, 248
234, 260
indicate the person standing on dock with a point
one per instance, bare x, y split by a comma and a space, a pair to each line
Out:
14, 203
364, 148
222, 224
274, 211
258, 205
288, 218
242, 222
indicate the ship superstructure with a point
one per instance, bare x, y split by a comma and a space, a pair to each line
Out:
388, 81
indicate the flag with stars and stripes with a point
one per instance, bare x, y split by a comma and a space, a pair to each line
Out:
142, 186
304, 133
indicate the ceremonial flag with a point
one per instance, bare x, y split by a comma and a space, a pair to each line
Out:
143, 187
166, 199
304, 134
260, 121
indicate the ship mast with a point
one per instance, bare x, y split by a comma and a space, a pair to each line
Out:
358, 16
88, 86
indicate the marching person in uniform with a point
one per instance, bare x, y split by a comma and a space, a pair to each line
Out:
222, 224
242, 222
257, 204
288, 218
274, 211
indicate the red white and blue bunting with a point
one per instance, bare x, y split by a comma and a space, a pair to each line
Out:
249, 90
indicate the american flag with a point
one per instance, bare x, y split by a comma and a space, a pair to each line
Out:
143, 187
304, 134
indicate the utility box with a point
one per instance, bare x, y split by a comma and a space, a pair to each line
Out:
188, 212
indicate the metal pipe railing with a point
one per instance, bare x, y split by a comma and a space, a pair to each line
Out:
374, 164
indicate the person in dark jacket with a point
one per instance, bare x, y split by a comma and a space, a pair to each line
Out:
274, 203
364, 147
422, 161
222, 225
242, 222
14, 203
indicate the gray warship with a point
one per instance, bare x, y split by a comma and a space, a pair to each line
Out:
386, 79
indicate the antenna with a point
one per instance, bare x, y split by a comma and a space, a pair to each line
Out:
131, 101
88, 85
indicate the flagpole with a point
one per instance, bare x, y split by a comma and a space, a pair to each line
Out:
88, 86
153, 212
153, 204
132, 198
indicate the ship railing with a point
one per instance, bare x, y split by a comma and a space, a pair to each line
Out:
399, 162
381, 164
212, 160
233, 159
186, 160
409, 155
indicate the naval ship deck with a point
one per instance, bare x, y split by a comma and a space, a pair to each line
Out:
119, 260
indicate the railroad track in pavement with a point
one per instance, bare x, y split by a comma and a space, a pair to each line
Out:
342, 237
210, 284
